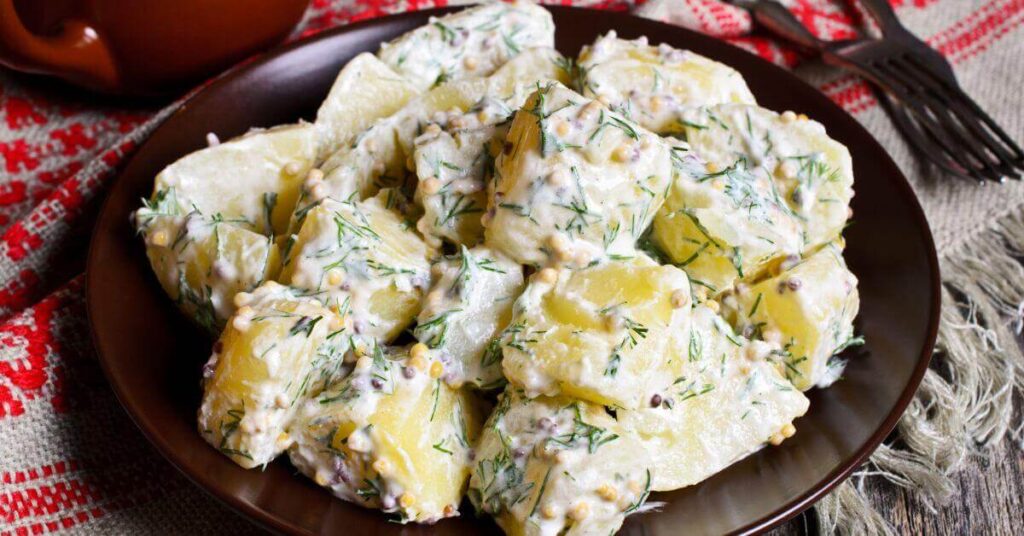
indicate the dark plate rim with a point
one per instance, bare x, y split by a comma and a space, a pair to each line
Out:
782, 514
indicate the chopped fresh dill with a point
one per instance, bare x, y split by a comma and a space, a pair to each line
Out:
304, 325
643, 496
757, 302
540, 493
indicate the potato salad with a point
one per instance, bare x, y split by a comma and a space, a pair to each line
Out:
490, 277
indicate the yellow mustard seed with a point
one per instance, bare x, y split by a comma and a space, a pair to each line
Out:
381, 466
621, 153
580, 511
562, 129
436, 369
608, 492
419, 351
548, 276
430, 185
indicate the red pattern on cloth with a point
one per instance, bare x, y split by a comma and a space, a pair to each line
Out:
59, 150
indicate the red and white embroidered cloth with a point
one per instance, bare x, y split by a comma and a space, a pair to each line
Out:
70, 459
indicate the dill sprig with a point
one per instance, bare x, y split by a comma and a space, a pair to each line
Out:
582, 432
434, 331
506, 484
304, 325
643, 496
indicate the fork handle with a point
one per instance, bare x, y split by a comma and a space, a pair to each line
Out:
780, 21
884, 15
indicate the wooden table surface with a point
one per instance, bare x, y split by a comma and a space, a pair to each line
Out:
989, 500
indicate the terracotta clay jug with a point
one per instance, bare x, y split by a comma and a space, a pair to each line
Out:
139, 46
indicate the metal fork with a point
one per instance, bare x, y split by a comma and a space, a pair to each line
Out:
918, 87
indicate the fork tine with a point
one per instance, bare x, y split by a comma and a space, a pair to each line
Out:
919, 141
957, 105
957, 95
935, 122
961, 134
1007, 160
932, 145
971, 108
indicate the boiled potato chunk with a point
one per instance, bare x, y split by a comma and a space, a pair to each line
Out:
722, 225
208, 221
473, 42
812, 173
601, 334
262, 368
251, 181
511, 84
809, 309
373, 161
469, 304
651, 85
454, 165
379, 156
576, 182
365, 90
557, 466
363, 259
202, 264
727, 403
392, 435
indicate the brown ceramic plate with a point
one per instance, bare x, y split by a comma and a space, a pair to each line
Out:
152, 356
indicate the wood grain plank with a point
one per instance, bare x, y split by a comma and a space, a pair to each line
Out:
989, 500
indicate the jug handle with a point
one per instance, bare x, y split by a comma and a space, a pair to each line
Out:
78, 52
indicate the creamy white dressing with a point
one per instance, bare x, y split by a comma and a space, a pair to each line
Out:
467, 307
471, 43
552, 466
349, 254
652, 85
454, 166
203, 263
612, 349
812, 175
345, 443
577, 182
365, 91
809, 308
261, 371
381, 155
727, 402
